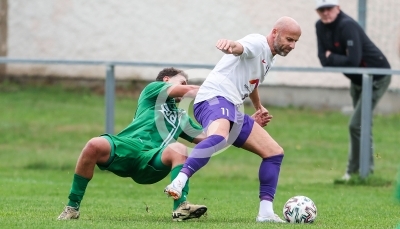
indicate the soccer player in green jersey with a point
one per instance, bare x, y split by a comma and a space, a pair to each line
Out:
147, 149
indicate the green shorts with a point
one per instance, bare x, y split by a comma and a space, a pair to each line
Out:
133, 158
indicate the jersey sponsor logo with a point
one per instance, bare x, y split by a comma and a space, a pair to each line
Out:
266, 70
173, 118
246, 94
253, 84
247, 88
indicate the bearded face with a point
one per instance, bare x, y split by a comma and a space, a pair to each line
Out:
280, 47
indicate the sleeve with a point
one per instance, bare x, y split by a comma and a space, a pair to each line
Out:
253, 45
321, 49
155, 89
353, 45
191, 131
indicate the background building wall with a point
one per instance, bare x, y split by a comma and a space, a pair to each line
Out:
175, 31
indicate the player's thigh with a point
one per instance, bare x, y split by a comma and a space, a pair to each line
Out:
261, 143
215, 115
219, 127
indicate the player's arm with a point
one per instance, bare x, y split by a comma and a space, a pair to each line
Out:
262, 115
255, 99
183, 91
229, 47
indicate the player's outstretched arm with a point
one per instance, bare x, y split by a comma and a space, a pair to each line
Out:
183, 91
229, 47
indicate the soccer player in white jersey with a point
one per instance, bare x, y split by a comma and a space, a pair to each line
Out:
217, 108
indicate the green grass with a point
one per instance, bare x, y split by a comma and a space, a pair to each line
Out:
43, 130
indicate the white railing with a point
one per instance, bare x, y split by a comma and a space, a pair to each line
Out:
366, 99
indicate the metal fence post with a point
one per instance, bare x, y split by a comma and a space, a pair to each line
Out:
366, 125
362, 13
110, 98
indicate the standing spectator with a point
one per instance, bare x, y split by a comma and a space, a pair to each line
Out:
343, 43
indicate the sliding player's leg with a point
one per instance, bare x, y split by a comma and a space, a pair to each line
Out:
96, 151
174, 156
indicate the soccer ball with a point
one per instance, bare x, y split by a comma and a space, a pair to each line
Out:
299, 209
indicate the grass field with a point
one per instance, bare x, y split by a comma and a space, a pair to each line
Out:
43, 130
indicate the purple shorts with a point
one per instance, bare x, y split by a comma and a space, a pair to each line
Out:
218, 107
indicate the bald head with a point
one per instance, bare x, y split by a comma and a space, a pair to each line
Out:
284, 35
287, 23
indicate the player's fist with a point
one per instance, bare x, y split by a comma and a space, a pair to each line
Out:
225, 46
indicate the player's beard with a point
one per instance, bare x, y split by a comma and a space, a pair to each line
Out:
278, 47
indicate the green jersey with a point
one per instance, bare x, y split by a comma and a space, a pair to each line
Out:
158, 120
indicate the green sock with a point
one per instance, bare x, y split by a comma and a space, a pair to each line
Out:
398, 188
185, 191
78, 188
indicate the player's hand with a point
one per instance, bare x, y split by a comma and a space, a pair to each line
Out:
225, 45
262, 117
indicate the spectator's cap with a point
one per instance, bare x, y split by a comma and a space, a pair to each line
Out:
326, 3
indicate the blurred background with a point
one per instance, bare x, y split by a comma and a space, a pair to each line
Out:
43, 128
177, 31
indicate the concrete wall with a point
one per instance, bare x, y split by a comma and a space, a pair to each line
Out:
176, 31
173, 31
323, 98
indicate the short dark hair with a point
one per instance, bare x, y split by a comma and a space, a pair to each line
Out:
170, 72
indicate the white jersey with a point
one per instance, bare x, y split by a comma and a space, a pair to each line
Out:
235, 77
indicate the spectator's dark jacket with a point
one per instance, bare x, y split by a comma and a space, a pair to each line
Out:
350, 47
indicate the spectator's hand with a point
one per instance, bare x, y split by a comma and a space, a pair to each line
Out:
327, 53
262, 117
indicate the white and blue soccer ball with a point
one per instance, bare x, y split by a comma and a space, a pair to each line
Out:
300, 209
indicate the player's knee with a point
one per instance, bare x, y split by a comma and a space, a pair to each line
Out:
273, 151
178, 149
277, 150
175, 153
280, 150
93, 147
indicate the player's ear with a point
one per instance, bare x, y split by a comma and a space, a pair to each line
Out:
274, 32
166, 78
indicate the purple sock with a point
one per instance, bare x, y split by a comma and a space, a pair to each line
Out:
268, 175
202, 152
